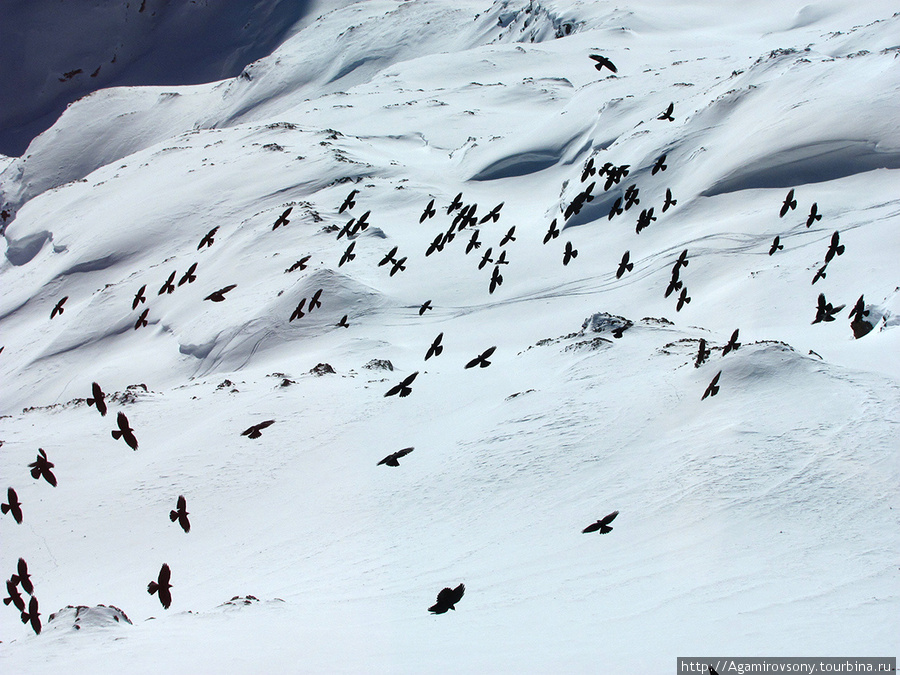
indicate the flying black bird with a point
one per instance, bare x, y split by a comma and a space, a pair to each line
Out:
834, 248
589, 169
667, 113
425, 306
624, 265
398, 266
161, 586
314, 300
298, 311
825, 311
494, 214
403, 389
820, 273
208, 238
347, 229
349, 203
428, 212
486, 258
22, 578
645, 219
436, 245
858, 323
142, 319
674, 283
552, 233
482, 359
733, 345
343, 322
33, 615
98, 399
789, 204
702, 354
447, 599
436, 347
168, 286
669, 201
602, 525
603, 62
465, 216
508, 237
616, 208
814, 214
139, 297
569, 253
300, 264
389, 258
14, 596
13, 506
361, 222
455, 204
502, 259
631, 196
256, 430
59, 307
124, 431
496, 279
181, 514
683, 299
391, 460
660, 165
219, 296
473, 242
776, 245
681, 262
713, 387
348, 254
189, 276
859, 310
41, 467
283, 218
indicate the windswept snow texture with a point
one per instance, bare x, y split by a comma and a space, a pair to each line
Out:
213, 285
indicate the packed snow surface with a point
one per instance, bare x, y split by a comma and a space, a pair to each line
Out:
759, 520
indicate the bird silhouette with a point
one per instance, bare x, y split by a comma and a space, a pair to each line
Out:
667, 113
464, 217
631, 196
348, 254
398, 266
349, 203
298, 311
601, 525
482, 359
447, 599
142, 319
22, 577
425, 307
733, 345
436, 245
834, 248
776, 246
181, 514
300, 264
58, 309
615, 209
603, 62
713, 387
660, 165
645, 219
256, 430
814, 214
347, 229
343, 322
124, 431
219, 296
168, 286
820, 274
493, 215
473, 242
569, 253
403, 388
362, 222
427, 213
486, 258
161, 586
508, 237
314, 300
139, 297
669, 201
624, 265
98, 399
391, 460
789, 204
859, 311
12, 506
588, 170
189, 276
683, 299
674, 283
13, 595
825, 311
42, 467
389, 258
208, 238
681, 262
455, 204
496, 279
552, 233
502, 259
33, 615
283, 218
436, 347
702, 354
858, 323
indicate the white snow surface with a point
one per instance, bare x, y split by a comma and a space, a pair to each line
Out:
761, 521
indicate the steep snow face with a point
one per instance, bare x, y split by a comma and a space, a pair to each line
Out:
759, 518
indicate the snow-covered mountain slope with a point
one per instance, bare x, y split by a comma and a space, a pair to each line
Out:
761, 520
